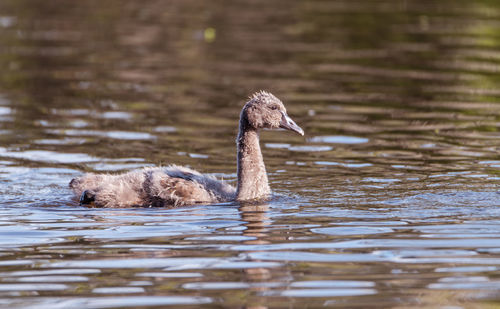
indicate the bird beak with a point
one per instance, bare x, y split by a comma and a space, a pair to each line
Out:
287, 123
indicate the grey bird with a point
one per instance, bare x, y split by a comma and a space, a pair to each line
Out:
174, 185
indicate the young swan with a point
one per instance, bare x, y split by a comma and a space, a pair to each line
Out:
176, 185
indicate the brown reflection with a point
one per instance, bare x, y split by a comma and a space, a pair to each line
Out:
257, 223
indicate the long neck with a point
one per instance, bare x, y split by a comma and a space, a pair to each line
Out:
252, 176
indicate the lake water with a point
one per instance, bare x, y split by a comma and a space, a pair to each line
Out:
390, 200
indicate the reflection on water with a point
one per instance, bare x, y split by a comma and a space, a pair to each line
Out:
391, 200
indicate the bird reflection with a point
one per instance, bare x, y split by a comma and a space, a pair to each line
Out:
256, 218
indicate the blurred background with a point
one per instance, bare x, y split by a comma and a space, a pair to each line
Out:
399, 100
412, 82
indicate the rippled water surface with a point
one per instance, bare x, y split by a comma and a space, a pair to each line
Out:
390, 200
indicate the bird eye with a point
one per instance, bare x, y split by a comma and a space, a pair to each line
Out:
274, 107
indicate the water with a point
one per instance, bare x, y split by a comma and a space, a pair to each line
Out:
390, 200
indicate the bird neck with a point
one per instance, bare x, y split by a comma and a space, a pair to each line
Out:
252, 176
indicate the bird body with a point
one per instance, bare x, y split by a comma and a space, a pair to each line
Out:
174, 185
152, 186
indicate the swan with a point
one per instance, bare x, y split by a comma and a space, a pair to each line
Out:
174, 185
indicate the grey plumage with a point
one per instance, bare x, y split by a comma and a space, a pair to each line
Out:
174, 185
